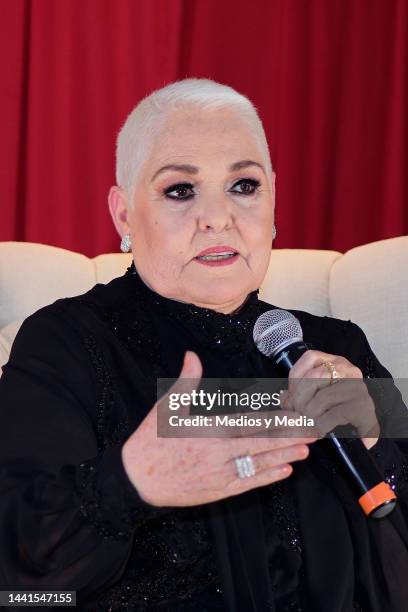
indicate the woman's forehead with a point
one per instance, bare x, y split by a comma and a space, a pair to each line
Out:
189, 136
190, 120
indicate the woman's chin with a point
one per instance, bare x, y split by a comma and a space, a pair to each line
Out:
223, 296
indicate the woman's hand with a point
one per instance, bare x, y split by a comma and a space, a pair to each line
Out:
193, 471
311, 393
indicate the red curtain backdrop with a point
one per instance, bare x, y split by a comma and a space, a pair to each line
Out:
329, 78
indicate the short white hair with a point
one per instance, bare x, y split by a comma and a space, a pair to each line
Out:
142, 125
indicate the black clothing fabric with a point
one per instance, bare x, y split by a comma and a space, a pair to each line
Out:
82, 376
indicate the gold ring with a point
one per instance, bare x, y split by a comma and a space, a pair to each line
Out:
334, 375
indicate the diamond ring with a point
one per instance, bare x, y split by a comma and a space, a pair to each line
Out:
245, 466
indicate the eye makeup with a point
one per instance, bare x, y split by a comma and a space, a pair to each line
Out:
184, 187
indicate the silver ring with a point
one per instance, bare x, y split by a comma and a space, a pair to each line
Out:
245, 466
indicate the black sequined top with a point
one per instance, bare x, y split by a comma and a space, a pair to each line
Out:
81, 377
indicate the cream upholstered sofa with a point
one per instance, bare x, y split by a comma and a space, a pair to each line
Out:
368, 284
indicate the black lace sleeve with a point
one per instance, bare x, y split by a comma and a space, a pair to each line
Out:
67, 511
391, 450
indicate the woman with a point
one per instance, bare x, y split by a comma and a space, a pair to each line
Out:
92, 499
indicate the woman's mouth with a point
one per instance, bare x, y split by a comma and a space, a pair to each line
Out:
218, 259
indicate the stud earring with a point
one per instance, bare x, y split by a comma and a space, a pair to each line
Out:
274, 232
126, 243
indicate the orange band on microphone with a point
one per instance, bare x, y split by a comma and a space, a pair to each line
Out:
377, 496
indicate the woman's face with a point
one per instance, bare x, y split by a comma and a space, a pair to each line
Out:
196, 191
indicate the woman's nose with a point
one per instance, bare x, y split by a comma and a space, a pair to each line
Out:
216, 215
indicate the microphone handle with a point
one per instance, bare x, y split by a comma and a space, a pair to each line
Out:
376, 497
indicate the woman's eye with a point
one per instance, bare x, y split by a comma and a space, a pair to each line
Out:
249, 186
182, 189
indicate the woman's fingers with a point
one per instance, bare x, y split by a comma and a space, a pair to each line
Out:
269, 466
189, 377
315, 365
301, 391
308, 361
346, 402
311, 393
177, 400
309, 375
362, 417
280, 456
314, 400
285, 438
192, 367
265, 477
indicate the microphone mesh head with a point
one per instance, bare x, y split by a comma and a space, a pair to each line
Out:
274, 330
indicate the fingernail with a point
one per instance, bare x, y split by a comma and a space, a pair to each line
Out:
285, 469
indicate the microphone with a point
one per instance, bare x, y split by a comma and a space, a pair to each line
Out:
278, 334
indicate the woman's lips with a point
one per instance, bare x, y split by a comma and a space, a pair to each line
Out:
221, 255
219, 249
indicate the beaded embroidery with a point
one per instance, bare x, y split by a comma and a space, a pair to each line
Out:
92, 508
134, 330
109, 429
172, 559
214, 330
278, 506
397, 476
280, 510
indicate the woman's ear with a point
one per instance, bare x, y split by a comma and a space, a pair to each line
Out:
118, 208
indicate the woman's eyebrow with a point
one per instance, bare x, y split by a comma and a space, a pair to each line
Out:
181, 167
245, 163
239, 165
